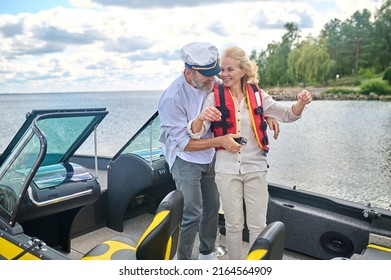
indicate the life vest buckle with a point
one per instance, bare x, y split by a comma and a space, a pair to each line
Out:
225, 125
263, 126
258, 111
224, 111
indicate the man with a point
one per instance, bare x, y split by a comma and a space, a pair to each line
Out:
191, 162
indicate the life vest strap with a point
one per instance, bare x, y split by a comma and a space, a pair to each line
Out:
224, 110
258, 111
263, 126
224, 125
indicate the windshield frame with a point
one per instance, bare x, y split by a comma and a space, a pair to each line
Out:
152, 150
18, 160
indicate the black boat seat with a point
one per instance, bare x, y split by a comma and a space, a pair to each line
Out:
158, 242
269, 244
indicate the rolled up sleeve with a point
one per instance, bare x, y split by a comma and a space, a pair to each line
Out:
175, 125
281, 112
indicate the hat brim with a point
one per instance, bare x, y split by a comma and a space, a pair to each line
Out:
210, 72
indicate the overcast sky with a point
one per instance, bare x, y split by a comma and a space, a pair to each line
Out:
105, 45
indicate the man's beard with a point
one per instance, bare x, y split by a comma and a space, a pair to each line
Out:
205, 87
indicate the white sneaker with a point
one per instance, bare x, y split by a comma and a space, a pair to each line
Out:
212, 256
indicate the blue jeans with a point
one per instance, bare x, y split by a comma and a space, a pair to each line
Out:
201, 206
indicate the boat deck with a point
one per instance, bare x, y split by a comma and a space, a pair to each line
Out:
134, 228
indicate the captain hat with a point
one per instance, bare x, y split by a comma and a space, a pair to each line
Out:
201, 56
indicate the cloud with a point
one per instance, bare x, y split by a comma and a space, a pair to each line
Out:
12, 29
148, 55
22, 47
59, 35
166, 4
276, 20
128, 44
45, 48
218, 28
305, 21
112, 47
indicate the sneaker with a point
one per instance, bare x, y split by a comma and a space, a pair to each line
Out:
212, 256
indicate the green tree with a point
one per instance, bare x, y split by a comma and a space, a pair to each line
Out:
311, 61
292, 36
355, 45
387, 75
276, 63
356, 33
273, 63
332, 31
382, 34
260, 59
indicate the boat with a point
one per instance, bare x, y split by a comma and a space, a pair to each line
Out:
56, 204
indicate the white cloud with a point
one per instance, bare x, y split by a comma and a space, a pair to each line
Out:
82, 3
95, 46
350, 6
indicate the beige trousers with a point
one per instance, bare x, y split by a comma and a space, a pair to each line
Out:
234, 189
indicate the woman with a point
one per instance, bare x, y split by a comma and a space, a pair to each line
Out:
241, 171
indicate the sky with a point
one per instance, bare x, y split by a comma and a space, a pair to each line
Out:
122, 45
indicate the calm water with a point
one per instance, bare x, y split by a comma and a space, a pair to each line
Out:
338, 148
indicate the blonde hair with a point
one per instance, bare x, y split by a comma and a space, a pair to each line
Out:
249, 67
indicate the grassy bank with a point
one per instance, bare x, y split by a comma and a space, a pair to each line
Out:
345, 88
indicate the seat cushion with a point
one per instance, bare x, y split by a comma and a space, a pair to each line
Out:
269, 244
118, 248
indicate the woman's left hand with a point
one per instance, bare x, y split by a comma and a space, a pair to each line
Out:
273, 125
305, 97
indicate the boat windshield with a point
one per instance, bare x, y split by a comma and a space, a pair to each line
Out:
145, 142
15, 170
63, 134
46, 140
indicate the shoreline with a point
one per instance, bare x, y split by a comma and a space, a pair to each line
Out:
290, 94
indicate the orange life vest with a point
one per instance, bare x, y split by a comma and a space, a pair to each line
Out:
226, 105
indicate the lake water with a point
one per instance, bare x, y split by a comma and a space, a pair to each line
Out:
338, 148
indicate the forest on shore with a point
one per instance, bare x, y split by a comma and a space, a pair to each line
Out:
350, 57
